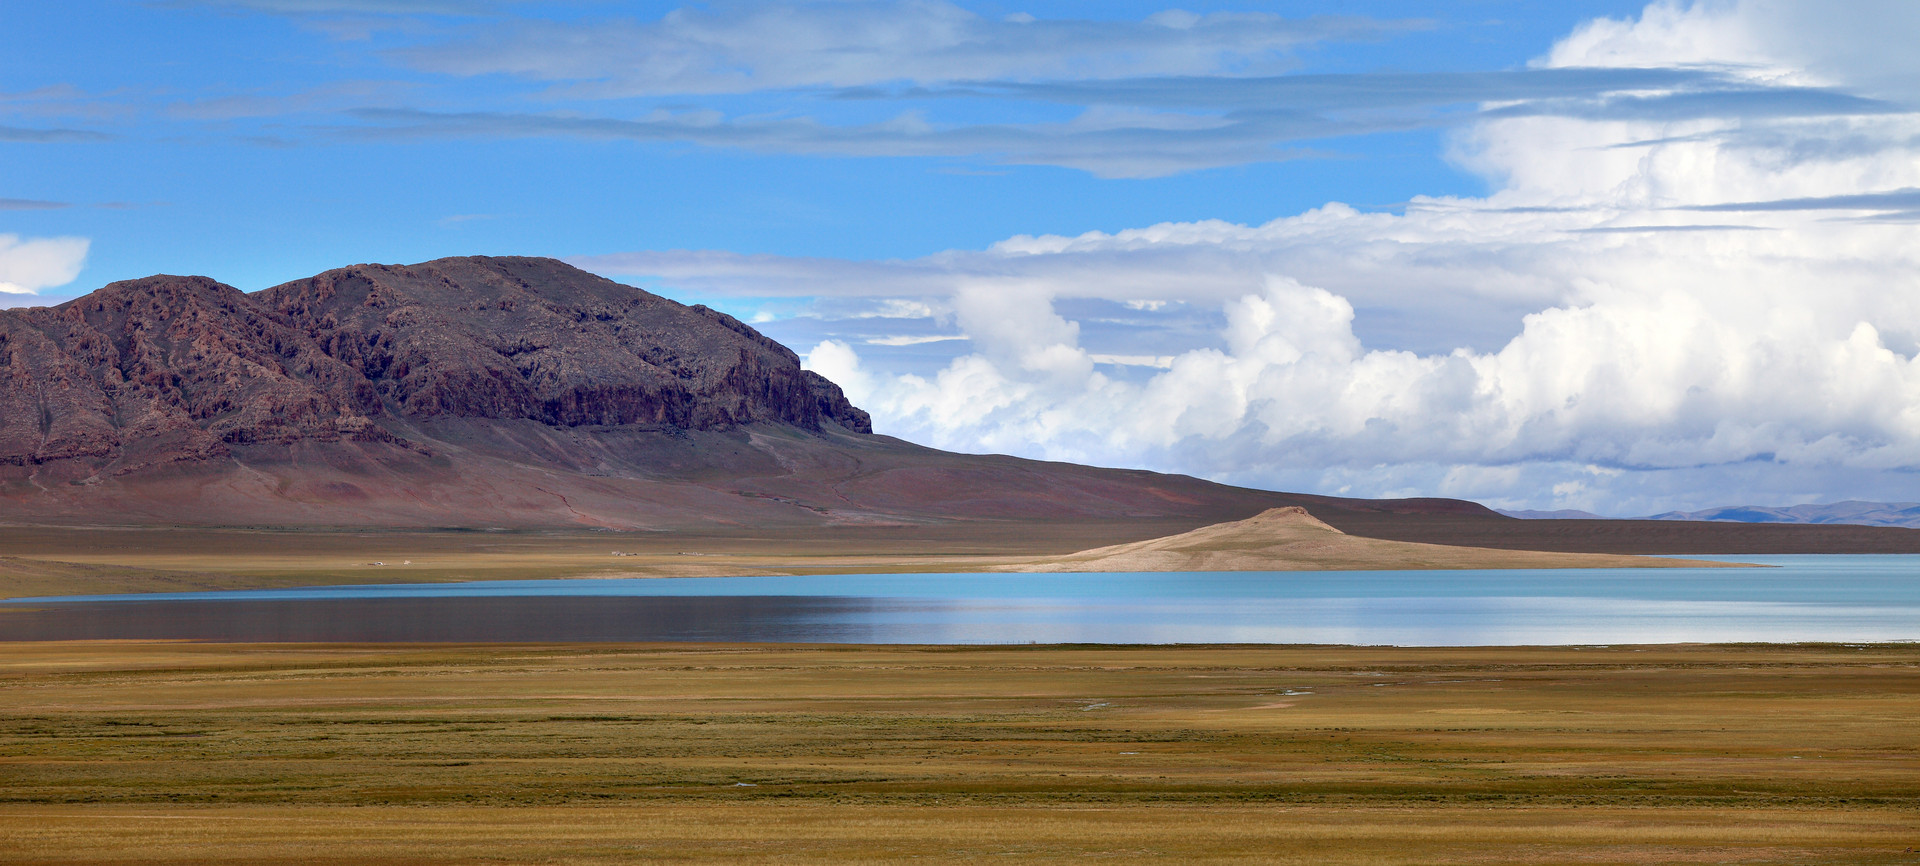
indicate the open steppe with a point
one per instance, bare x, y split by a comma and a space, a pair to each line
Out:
157, 752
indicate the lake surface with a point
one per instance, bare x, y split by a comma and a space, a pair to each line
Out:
1804, 598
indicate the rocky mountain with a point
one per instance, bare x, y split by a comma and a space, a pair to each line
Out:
535, 339
473, 392
169, 369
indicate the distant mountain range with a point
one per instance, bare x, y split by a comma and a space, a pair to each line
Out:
1852, 512
1562, 514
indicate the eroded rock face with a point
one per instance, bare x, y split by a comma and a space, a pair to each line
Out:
515, 338
169, 368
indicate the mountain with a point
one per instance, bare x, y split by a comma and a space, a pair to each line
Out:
476, 392
1906, 514
170, 369
522, 393
1561, 514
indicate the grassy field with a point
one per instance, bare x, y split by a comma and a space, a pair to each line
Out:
132, 752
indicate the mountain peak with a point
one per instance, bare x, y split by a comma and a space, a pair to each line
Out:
532, 338
183, 368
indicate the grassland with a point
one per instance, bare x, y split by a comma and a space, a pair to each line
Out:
132, 752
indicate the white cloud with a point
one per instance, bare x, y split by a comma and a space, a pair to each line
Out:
912, 340
741, 47
1102, 149
897, 308
1174, 92
31, 264
343, 7
1556, 344
1163, 362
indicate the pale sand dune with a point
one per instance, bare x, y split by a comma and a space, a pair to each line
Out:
1290, 539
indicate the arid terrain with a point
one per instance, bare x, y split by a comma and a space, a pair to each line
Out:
177, 753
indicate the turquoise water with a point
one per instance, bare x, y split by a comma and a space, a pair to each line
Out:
1800, 598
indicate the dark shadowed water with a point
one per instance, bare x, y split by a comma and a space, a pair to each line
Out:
1805, 598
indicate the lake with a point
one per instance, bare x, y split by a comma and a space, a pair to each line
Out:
1802, 598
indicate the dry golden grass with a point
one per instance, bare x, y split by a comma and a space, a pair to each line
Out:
171, 752
824, 833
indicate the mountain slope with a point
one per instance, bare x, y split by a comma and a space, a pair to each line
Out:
480, 392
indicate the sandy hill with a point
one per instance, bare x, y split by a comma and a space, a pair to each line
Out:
1291, 539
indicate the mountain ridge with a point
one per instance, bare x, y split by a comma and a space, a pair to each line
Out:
186, 367
1851, 512
479, 392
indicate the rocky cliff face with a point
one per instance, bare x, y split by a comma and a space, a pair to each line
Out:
518, 338
168, 369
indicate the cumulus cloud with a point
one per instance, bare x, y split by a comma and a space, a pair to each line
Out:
28, 265
1593, 334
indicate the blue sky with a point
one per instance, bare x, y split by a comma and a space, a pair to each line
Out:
234, 139
1595, 255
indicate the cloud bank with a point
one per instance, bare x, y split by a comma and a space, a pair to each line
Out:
1655, 309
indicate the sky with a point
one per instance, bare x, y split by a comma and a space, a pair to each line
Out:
1607, 256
